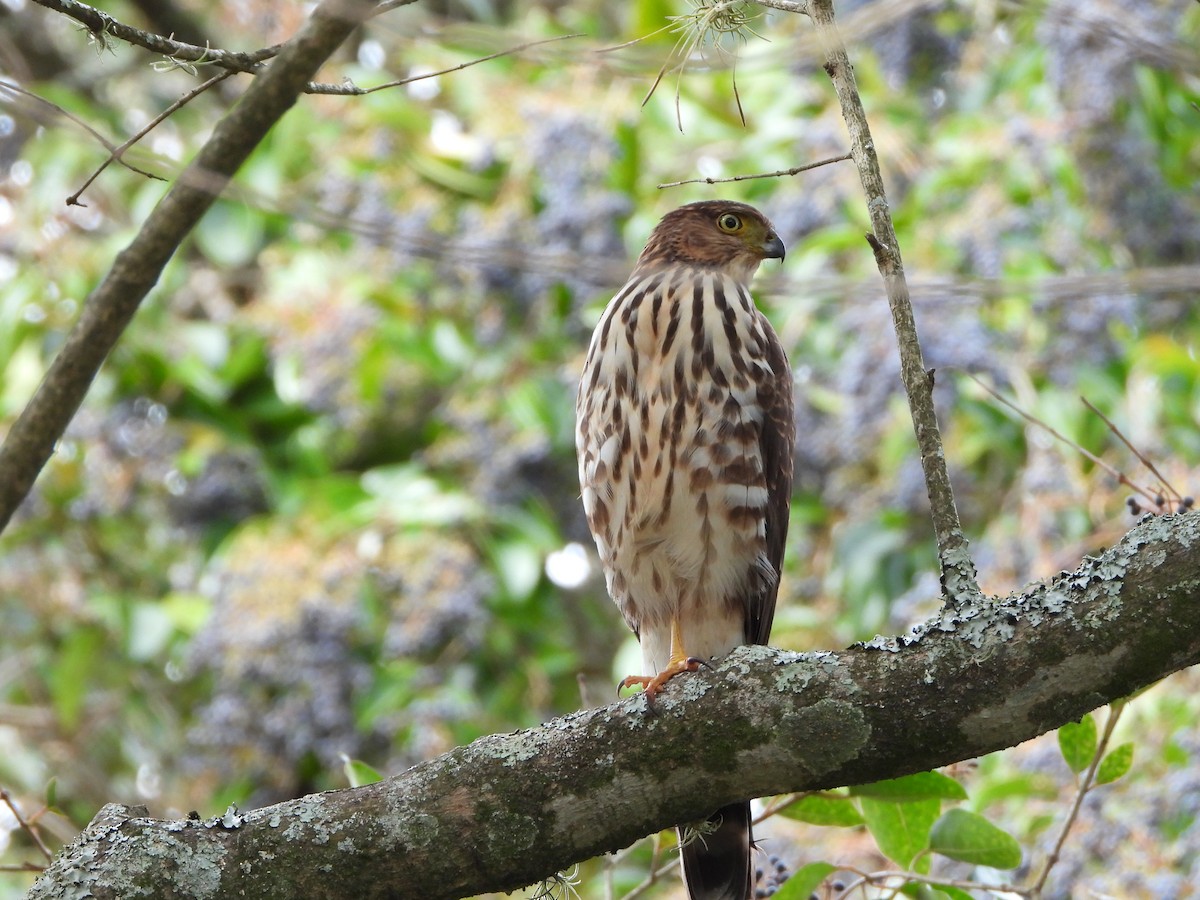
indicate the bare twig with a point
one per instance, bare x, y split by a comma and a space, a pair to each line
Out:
353, 90
958, 576
1116, 473
105, 142
656, 875
1176, 496
117, 152
101, 23
780, 174
25, 826
900, 878
31, 439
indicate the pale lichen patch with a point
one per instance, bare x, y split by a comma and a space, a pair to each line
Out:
515, 748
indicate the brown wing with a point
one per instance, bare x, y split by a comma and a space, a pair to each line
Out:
776, 444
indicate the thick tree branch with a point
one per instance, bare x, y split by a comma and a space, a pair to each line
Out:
30, 441
509, 810
959, 583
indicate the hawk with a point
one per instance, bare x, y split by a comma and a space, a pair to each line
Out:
684, 432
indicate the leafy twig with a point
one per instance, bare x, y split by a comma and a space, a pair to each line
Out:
781, 173
1085, 785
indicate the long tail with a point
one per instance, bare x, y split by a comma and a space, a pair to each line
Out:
716, 865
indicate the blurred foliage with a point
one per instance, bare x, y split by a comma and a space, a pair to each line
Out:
310, 523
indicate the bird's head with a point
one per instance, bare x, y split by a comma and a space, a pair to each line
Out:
714, 234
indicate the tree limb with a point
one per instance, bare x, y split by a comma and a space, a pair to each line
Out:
959, 583
30, 441
510, 810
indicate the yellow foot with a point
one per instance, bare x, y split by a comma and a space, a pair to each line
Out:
655, 683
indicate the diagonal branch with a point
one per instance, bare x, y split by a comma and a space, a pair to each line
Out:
510, 810
117, 153
33, 99
959, 583
30, 441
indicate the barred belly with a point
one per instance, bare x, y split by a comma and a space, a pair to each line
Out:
670, 461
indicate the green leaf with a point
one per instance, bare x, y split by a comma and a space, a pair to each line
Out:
52, 794
804, 881
1077, 741
922, 786
824, 809
900, 829
1115, 764
969, 837
358, 772
73, 674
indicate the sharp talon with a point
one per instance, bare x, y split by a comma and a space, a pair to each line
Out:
694, 662
630, 681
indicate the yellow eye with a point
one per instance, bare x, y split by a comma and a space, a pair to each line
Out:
730, 223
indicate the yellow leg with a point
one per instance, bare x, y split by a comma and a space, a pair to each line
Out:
679, 663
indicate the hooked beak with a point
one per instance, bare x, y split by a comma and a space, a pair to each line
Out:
772, 247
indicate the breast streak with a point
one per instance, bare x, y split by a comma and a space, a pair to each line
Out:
696, 517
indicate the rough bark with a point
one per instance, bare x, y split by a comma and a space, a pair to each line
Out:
509, 810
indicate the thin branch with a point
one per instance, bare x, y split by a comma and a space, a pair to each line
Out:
102, 24
105, 142
657, 873
350, 89
25, 826
118, 152
1116, 473
108, 310
1085, 785
780, 174
958, 575
881, 879
1179, 499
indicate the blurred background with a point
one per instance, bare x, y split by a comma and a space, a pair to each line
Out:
321, 503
